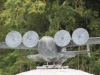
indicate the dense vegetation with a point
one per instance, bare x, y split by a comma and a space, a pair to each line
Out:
46, 17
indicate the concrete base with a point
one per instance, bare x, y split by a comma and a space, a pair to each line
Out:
54, 72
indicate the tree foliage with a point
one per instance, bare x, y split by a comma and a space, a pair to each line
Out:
46, 17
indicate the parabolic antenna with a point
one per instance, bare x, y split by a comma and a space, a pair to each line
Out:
30, 39
80, 36
62, 38
13, 39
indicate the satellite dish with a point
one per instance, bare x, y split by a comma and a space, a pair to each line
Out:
62, 38
13, 39
80, 36
30, 39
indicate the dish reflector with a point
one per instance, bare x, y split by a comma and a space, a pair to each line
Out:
62, 38
13, 39
80, 36
30, 39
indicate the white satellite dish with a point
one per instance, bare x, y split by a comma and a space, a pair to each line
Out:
80, 36
13, 39
30, 39
62, 38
